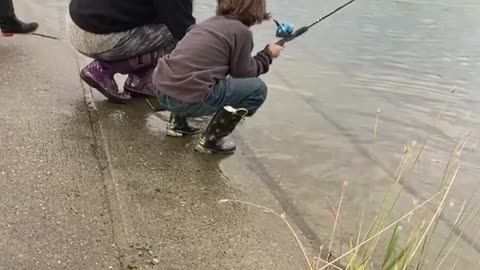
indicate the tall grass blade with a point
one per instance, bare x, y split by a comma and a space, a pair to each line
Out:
382, 231
440, 207
336, 220
392, 244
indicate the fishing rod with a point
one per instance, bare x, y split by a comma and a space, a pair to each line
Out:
36, 34
45, 36
285, 31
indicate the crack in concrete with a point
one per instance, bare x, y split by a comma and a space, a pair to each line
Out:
100, 151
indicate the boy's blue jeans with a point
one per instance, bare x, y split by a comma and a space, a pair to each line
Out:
248, 93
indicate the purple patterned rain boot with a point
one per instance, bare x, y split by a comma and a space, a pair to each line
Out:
99, 75
139, 83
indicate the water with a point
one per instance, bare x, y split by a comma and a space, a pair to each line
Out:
316, 130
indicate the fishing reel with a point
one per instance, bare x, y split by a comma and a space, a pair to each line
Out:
284, 30
287, 33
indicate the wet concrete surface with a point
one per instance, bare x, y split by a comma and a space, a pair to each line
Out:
315, 131
54, 214
168, 197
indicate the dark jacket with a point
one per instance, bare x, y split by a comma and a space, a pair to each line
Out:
112, 16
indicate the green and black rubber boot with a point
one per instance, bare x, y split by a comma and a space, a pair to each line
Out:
213, 140
178, 126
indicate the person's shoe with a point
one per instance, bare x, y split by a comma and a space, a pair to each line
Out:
213, 140
140, 85
100, 77
12, 25
178, 126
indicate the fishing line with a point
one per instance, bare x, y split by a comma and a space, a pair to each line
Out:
286, 31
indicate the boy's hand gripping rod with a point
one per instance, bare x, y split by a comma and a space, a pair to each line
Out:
304, 29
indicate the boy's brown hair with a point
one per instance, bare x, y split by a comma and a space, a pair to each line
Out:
249, 12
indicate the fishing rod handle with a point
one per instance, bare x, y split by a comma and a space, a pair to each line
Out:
281, 42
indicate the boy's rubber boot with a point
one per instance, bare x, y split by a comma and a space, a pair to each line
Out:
178, 126
213, 140
12, 25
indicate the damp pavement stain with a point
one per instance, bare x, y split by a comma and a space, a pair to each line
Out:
125, 196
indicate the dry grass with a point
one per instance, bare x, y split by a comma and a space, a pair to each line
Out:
360, 256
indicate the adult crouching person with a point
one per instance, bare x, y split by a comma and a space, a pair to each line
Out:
126, 37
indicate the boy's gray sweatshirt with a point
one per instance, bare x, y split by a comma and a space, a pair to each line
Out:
210, 51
